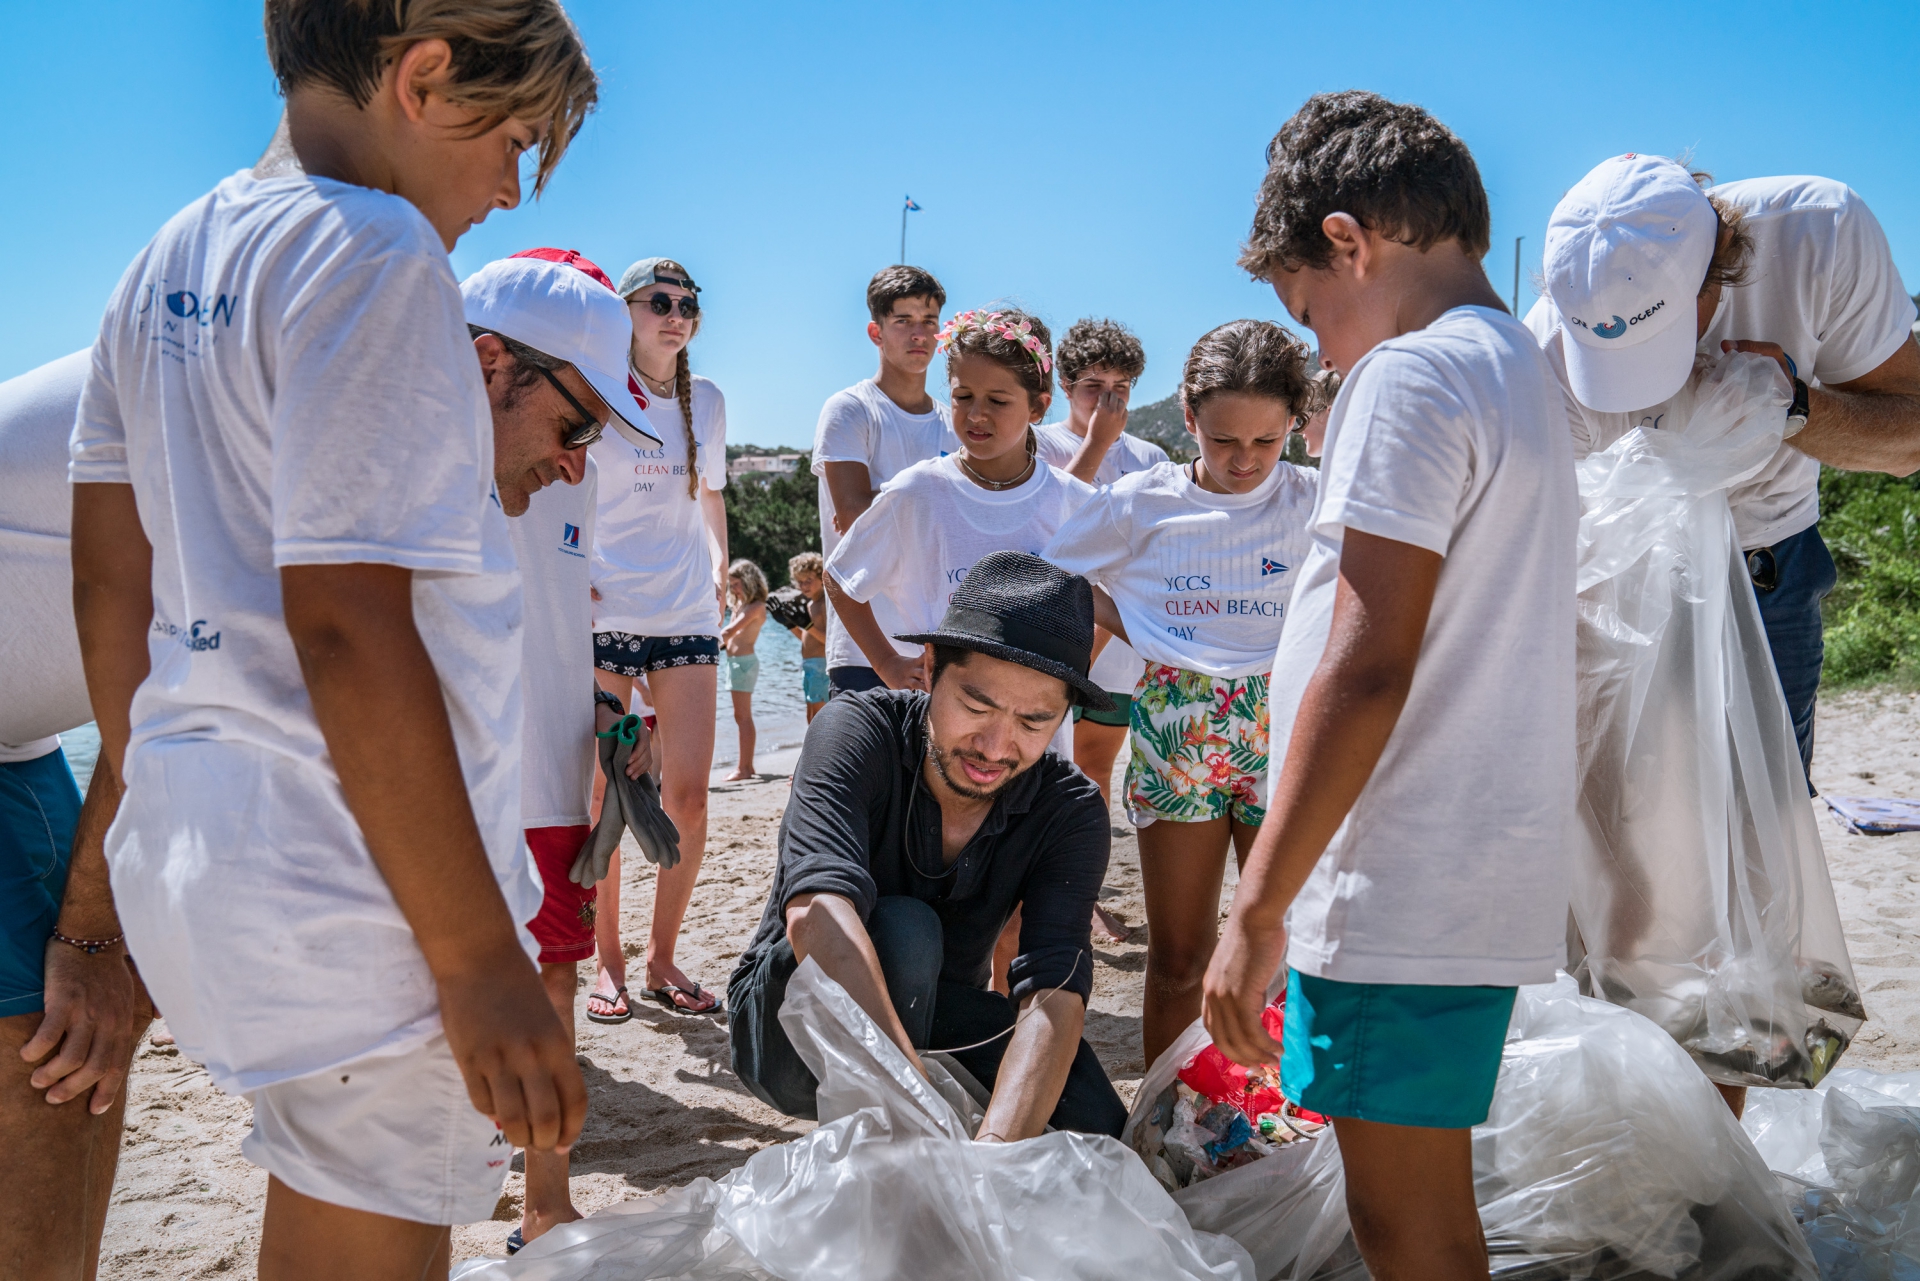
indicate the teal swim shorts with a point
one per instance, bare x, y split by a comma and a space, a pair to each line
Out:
743, 672
1396, 1053
814, 684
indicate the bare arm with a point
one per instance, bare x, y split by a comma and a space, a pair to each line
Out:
713, 507
1109, 420
1351, 705
377, 699
893, 667
1106, 615
829, 929
1035, 1068
1869, 424
850, 486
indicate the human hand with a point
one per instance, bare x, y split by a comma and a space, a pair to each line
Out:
640, 760
1772, 350
513, 1053
594, 592
1235, 991
95, 1010
901, 672
1109, 418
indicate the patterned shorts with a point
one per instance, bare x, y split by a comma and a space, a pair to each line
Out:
1199, 747
625, 655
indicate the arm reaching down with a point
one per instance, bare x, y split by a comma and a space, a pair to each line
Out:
828, 928
1034, 1071
850, 486
1871, 423
893, 667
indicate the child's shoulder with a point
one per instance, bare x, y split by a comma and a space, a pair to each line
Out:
1164, 477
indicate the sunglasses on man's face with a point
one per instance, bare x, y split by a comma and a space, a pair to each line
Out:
584, 430
662, 304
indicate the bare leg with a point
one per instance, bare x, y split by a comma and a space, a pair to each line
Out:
1004, 951
812, 709
743, 726
612, 968
1182, 867
307, 1240
1095, 748
549, 1200
683, 703
1410, 1197
60, 1164
1736, 1097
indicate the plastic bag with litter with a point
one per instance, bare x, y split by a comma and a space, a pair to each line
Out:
890, 1185
1699, 888
1606, 1155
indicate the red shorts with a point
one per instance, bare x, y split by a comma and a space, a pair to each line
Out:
564, 926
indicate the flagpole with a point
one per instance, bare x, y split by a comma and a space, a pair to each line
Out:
903, 235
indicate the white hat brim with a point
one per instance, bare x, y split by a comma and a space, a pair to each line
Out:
1620, 380
613, 389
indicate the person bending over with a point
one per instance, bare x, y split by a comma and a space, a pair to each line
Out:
919, 819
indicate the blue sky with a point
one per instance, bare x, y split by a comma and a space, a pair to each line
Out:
1077, 159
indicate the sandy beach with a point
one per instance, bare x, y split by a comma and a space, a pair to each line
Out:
665, 1108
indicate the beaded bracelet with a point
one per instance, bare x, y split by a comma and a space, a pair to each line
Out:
92, 947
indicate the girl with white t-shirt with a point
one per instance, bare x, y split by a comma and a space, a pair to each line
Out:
659, 577
1193, 565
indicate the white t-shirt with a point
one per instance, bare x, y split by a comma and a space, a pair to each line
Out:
1117, 667
552, 540
284, 377
1451, 866
1125, 456
42, 688
1202, 580
863, 425
651, 562
1823, 285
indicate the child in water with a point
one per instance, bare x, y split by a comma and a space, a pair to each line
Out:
747, 603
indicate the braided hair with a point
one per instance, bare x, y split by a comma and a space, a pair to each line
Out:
683, 389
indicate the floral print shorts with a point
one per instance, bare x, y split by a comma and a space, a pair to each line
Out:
1199, 747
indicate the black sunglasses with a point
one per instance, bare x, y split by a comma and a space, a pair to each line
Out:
581, 433
663, 303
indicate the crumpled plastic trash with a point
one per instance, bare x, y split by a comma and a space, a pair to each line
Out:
631, 804
1849, 1154
890, 1185
1699, 887
1606, 1155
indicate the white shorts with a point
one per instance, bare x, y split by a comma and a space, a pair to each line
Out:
389, 1134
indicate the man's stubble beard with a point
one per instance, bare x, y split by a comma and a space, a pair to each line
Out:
960, 786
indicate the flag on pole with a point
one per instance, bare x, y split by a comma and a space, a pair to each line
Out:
911, 207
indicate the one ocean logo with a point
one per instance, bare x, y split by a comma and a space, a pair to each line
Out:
188, 305
1270, 566
1612, 330
570, 539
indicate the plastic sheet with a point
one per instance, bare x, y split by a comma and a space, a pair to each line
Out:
1699, 888
889, 1185
1849, 1152
1606, 1155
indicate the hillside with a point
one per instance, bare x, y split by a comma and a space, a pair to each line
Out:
1162, 423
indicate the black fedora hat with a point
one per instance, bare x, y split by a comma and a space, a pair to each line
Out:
1017, 607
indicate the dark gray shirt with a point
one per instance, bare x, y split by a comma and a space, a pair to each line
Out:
861, 823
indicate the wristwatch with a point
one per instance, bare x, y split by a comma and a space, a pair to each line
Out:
1797, 411
601, 696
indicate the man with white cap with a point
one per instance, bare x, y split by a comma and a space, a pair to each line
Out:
1645, 269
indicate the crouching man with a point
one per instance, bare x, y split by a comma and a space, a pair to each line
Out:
918, 822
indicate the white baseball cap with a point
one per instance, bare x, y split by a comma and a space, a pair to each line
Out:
565, 313
1627, 250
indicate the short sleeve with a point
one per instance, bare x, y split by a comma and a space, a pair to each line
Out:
1091, 542
98, 447
713, 441
844, 433
382, 439
868, 560
1870, 314
1401, 456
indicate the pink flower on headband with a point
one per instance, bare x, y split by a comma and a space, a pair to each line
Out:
994, 322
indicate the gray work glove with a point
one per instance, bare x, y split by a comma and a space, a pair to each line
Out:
631, 804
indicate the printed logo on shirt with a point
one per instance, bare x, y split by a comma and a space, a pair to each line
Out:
196, 638
1268, 565
570, 539
182, 319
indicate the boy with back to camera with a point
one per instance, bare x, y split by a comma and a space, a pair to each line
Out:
1431, 640
876, 429
300, 617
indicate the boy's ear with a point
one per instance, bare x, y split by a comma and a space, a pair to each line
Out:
1193, 428
419, 73
873, 332
1352, 243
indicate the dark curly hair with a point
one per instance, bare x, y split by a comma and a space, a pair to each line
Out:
1253, 357
890, 284
976, 341
1397, 170
1091, 344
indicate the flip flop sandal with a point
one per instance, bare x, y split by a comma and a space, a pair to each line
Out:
515, 1243
664, 996
619, 995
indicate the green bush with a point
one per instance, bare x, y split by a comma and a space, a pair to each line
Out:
1872, 523
769, 521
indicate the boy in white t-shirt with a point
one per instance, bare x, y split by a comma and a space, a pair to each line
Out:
300, 616
1194, 563
876, 429
1423, 688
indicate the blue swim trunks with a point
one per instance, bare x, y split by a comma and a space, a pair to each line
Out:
1396, 1053
814, 685
39, 806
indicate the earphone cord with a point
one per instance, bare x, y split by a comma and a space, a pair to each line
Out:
1019, 1019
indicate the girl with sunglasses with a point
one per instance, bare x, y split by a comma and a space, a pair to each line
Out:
659, 579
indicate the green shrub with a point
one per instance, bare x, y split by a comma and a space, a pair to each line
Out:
769, 521
1872, 523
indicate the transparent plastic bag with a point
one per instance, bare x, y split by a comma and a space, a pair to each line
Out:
889, 1185
1699, 887
1606, 1155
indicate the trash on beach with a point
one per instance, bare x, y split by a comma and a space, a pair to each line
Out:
890, 1185
1699, 888
1875, 815
1848, 1153
1606, 1155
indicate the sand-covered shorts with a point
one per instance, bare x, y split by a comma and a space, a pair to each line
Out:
1199, 747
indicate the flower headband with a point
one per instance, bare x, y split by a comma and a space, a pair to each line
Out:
997, 323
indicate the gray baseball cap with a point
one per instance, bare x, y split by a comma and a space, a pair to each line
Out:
647, 272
